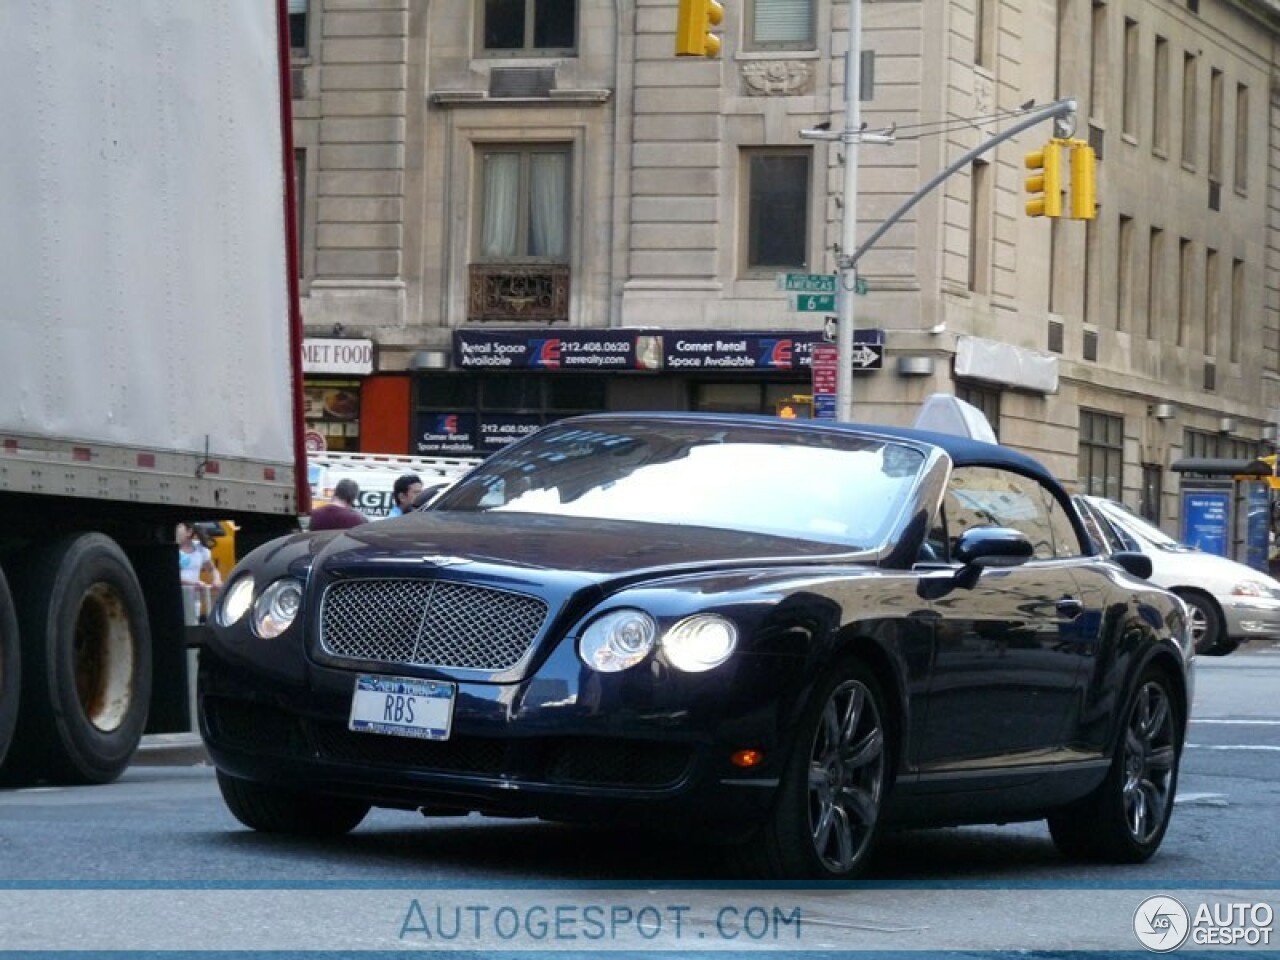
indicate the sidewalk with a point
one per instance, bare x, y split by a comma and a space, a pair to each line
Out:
171, 750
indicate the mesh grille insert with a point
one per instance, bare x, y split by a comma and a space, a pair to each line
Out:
430, 623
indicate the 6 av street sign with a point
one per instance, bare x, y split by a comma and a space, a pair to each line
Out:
814, 302
807, 282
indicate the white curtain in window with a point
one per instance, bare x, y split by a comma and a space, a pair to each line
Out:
548, 205
783, 21
501, 205
297, 6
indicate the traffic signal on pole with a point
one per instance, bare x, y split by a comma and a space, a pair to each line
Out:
1084, 181
1044, 186
693, 28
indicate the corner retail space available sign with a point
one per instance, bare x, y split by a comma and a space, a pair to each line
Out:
640, 349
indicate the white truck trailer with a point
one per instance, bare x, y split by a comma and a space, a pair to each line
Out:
149, 351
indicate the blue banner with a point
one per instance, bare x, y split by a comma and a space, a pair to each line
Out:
639, 349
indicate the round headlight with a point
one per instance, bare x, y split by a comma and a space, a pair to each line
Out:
236, 600
617, 640
277, 608
700, 643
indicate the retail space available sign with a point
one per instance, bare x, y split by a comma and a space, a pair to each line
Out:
465, 433
669, 350
337, 355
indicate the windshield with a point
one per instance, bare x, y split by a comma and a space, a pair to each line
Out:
843, 490
1135, 526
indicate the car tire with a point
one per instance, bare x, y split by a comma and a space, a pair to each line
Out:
86, 654
1125, 818
827, 814
270, 809
1207, 625
10, 667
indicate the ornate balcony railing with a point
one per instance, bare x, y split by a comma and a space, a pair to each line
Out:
537, 293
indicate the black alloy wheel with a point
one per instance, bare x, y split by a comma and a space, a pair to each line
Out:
827, 817
1125, 818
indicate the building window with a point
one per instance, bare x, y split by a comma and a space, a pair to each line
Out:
1152, 492
777, 199
1189, 107
980, 227
1129, 113
480, 413
1155, 280
1237, 310
1242, 138
781, 25
984, 33
1124, 274
764, 397
300, 205
1101, 453
1216, 95
1160, 99
1186, 271
1212, 303
530, 26
1098, 66
298, 24
986, 399
524, 203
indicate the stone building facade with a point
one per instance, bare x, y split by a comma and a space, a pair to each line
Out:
528, 208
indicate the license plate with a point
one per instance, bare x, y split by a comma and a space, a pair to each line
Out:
402, 707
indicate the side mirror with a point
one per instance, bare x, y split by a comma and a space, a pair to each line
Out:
993, 547
1138, 564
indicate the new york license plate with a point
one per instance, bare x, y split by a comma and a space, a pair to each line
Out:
402, 707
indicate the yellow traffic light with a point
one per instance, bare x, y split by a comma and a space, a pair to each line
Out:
1084, 180
693, 28
1044, 188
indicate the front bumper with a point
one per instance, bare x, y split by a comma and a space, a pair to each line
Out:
1247, 617
557, 745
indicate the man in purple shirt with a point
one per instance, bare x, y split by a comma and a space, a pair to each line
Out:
340, 513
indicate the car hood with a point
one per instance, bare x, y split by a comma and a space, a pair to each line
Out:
1191, 568
592, 548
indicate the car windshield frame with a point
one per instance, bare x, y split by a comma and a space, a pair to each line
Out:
847, 490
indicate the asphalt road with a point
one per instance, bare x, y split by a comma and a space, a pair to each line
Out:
162, 831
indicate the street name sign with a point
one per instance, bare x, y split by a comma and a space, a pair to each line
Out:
807, 282
814, 302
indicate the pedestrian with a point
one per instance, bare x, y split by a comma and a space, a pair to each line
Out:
340, 513
197, 572
404, 492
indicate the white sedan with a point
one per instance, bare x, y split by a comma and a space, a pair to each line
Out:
1230, 602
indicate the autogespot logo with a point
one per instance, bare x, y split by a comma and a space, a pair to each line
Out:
1161, 924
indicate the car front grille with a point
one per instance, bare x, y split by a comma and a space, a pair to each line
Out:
429, 623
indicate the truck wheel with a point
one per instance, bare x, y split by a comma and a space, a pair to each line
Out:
87, 650
10, 668
278, 810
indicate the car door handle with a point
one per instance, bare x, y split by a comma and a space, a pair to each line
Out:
1070, 608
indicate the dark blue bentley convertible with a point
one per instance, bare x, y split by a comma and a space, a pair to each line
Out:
784, 634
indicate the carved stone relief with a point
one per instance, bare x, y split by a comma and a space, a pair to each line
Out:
777, 78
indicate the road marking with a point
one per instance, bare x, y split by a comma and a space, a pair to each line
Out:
1239, 723
1202, 799
1242, 746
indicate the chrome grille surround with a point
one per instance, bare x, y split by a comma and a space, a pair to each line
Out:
429, 623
